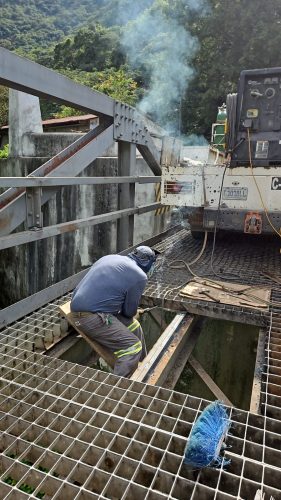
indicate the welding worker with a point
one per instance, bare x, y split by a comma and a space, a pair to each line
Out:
105, 302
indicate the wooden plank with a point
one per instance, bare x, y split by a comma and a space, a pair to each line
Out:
103, 353
214, 388
155, 368
182, 358
227, 293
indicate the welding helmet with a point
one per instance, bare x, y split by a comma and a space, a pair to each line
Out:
144, 256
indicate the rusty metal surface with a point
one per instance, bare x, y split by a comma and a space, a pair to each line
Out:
246, 259
236, 258
56, 161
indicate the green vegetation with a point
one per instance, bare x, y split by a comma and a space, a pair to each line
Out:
93, 42
94, 48
4, 92
233, 36
26, 488
9, 480
4, 153
36, 23
116, 83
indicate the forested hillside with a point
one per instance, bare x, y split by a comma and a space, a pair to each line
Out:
27, 24
175, 59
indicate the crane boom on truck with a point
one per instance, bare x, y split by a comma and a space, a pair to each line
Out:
238, 189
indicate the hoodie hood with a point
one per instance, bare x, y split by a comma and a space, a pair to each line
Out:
144, 257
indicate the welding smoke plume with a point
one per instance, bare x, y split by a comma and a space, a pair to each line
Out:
161, 48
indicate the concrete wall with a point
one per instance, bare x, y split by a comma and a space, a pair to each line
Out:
27, 269
25, 117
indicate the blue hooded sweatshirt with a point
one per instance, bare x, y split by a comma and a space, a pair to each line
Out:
114, 284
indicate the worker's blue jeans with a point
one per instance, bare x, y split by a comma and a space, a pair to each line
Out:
122, 336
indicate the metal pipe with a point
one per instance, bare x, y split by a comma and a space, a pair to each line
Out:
74, 181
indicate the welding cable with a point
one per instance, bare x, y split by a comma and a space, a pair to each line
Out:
257, 186
183, 263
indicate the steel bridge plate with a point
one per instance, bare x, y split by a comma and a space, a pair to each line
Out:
234, 258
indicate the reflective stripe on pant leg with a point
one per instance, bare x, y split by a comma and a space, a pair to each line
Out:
134, 325
134, 349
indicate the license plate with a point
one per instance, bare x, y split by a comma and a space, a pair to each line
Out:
229, 193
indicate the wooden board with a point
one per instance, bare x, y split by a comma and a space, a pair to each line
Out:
221, 292
214, 388
160, 361
102, 352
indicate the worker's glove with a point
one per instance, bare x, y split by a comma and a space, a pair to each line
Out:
139, 312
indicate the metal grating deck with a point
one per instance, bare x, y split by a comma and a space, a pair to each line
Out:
71, 432
240, 259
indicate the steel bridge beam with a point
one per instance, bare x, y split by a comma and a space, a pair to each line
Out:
25, 306
126, 195
205, 377
120, 122
27, 76
71, 160
157, 365
46, 182
20, 238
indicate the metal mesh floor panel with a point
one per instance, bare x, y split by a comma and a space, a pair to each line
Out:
241, 259
71, 432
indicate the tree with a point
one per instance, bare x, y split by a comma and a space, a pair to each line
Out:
94, 48
4, 105
116, 83
234, 35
